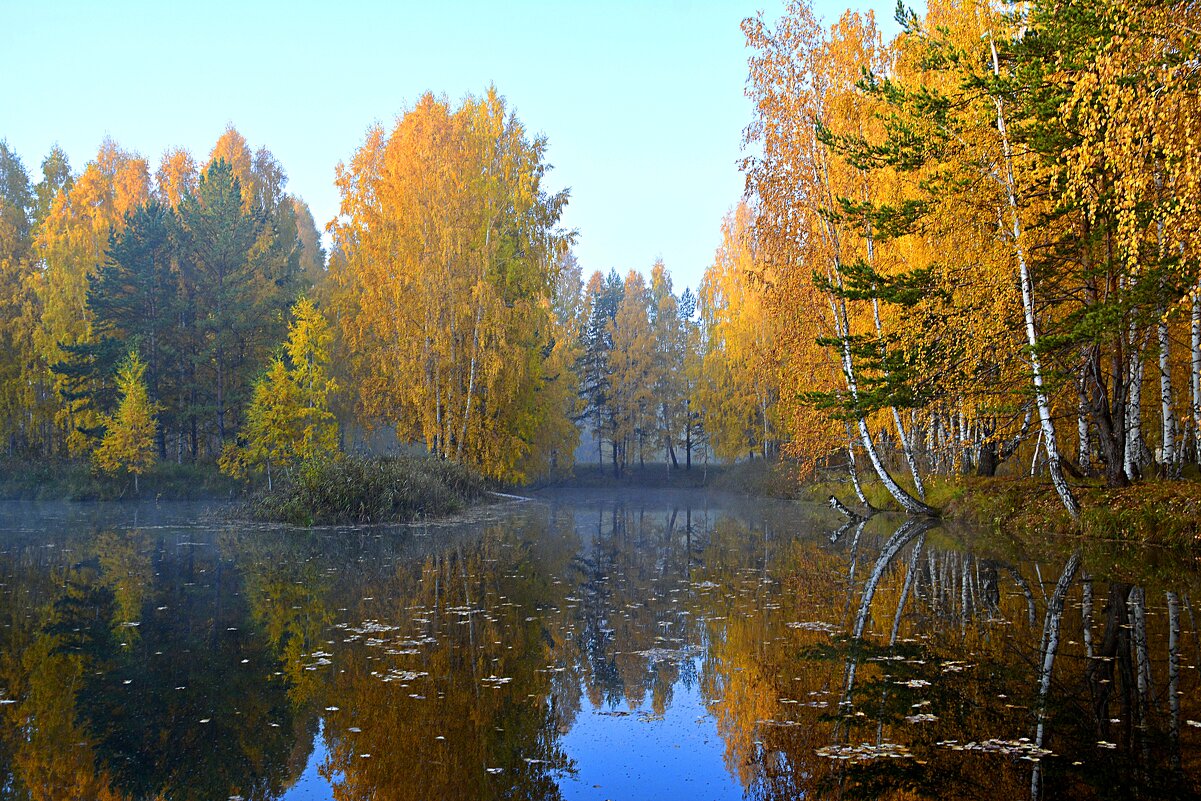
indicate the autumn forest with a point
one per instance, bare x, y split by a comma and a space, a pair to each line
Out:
970, 249
882, 481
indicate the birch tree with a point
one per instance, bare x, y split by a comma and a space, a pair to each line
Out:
451, 245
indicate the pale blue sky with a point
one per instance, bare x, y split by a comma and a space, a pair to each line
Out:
642, 102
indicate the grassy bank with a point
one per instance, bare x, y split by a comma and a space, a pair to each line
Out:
1153, 512
78, 481
1164, 513
357, 490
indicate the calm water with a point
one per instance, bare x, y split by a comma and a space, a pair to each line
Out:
588, 646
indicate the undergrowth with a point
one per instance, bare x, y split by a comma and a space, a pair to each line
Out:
355, 490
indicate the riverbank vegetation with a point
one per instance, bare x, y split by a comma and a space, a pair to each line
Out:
978, 241
76, 480
356, 490
970, 250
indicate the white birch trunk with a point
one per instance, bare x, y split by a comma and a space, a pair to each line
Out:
842, 328
1195, 371
1168, 416
908, 530
1134, 418
475, 344
1028, 308
964, 594
896, 416
853, 470
910, 575
910, 504
1137, 601
842, 324
1086, 613
1084, 453
1024, 586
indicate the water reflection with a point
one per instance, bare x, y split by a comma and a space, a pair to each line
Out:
586, 646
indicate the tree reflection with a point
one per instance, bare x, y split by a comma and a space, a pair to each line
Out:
129, 651
946, 688
448, 661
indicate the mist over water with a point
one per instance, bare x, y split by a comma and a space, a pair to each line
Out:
586, 644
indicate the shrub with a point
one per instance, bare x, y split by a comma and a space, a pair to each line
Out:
368, 490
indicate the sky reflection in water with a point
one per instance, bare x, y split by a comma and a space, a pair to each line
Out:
585, 646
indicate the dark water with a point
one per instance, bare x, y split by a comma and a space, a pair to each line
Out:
587, 646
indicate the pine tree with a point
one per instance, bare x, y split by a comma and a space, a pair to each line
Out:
601, 296
133, 298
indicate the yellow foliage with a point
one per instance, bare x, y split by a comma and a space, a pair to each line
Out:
71, 244
444, 293
741, 364
289, 419
128, 442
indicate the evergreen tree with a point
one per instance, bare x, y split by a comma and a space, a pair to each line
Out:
239, 275
134, 298
601, 298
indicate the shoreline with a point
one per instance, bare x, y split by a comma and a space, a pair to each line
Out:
1152, 512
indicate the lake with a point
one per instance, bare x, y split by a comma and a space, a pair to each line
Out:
587, 645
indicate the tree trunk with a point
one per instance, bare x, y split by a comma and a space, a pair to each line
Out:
1136, 602
475, 344
907, 450
1174, 679
910, 574
842, 326
1113, 651
910, 504
688, 437
906, 533
1086, 613
1133, 457
1084, 447
1028, 307
1108, 411
1167, 414
1195, 371
986, 465
896, 416
854, 472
